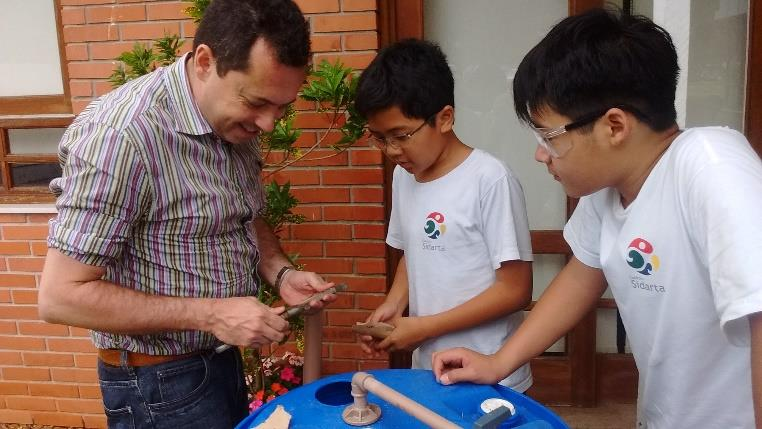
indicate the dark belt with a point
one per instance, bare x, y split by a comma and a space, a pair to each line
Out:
113, 357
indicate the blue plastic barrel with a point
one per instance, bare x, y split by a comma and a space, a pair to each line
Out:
319, 404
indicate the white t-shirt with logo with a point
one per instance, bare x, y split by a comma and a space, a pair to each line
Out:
455, 231
684, 263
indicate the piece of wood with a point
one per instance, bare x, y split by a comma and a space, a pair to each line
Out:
279, 419
377, 330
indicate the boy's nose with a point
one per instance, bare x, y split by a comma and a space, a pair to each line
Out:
541, 155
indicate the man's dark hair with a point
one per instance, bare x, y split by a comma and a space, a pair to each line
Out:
412, 75
597, 60
230, 28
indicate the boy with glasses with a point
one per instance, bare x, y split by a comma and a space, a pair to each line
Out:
670, 219
458, 214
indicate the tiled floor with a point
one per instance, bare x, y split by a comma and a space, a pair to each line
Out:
605, 416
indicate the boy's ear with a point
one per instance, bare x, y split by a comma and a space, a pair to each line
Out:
618, 125
445, 119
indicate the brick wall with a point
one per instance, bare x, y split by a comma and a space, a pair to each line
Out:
47, 372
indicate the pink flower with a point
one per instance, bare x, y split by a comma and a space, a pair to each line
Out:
287, 374
254, 405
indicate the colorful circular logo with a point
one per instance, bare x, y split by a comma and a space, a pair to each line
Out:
434, 226
640, 256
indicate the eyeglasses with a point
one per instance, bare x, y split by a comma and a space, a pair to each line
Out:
395, 142
559, 149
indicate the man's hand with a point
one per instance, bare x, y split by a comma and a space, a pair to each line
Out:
297, 286
460, 364
244, 321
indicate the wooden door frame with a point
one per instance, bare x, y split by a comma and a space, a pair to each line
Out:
400, 19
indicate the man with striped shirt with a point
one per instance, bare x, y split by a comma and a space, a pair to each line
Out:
158, 246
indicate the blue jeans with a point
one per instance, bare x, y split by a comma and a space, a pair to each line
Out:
204, 391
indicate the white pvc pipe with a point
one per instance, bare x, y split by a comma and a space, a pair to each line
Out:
367, 382
313, 346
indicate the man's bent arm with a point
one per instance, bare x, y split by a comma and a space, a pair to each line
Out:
271, 256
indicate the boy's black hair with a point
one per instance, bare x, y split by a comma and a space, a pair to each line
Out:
412, 75
230, 28
597, 60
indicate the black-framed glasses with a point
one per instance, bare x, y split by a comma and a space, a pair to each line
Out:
397, 141
558, 149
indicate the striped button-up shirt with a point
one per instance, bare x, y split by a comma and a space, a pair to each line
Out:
149, 192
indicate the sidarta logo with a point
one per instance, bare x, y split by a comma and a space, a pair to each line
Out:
434, 226
640, 256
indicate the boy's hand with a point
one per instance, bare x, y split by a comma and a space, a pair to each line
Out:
408, 334
384, 313
460, 364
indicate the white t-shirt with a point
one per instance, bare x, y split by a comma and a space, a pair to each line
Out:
455, 231
683, 262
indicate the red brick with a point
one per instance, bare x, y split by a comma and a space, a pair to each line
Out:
353, 176
311, 213
93, 392
361, 41
77, 106
357, 5
189, 30
357, 61
56, 390
81, 88
13, 388
43, 329
84, 2
109, 50
48, 359
102, 87
9, 327
15, 416
151, 30
356, 249
321, 195
339, 334
174, 10
318, 120
70, 345
115, 13
17, 281
318, 6
95, 421
329, 367
28, 296
320, 231
363, 283
24, 232
72, 375
57, 419
369, 231
370, 266
347, 351
346, 317
304, 248
39, 248
296, 177
323, 158
366, 365
23, 312
40, 217
10, 358
354, 213
370, 302
79, 332
367, 194
32, 404
366, 157
85, 406
344, 22
90, 70
90, 33
14, 248
27, 374
21, 343
326, 43
12, 218
327, 265
86, 360
77, 52
72, 16
5, 296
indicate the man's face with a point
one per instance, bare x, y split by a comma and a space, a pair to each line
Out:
240, 104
